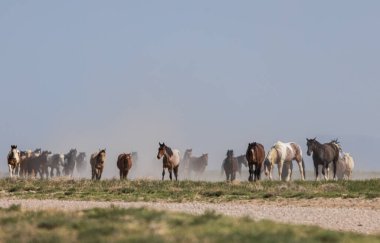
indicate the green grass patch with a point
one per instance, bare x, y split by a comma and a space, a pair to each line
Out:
182, 191
143, 225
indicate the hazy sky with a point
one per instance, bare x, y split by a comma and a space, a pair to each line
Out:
210, 75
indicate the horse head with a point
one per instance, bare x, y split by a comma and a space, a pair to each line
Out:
101, 156
230, 153
14, 153
311, 143
161, 150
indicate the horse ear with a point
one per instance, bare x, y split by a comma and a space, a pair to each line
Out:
315, 138
163, 144
159, 144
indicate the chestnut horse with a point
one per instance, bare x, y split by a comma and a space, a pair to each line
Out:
97, 164
124, 163
170, 160
230, 166
255, 156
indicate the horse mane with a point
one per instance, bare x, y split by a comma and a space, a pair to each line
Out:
169, 151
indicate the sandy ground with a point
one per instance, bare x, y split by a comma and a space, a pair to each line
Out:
356, 215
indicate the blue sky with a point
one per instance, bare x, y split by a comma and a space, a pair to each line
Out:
210, 75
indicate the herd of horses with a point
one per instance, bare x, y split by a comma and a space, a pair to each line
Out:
45, 164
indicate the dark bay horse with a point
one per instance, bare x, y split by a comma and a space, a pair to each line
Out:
124, 164
230, 166
69, 165
171, 159
97, 164
255, 156
323, 154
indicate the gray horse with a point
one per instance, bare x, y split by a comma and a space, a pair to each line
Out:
323, 154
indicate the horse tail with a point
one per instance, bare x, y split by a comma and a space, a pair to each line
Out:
304, 170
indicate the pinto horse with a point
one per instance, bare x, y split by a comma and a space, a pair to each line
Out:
124, 164
255, 156
323, 154
230, 166
14, 161
284, 153
171, 159
97, 164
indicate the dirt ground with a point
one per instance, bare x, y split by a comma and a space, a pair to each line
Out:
356, 215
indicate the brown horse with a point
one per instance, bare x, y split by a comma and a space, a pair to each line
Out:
37, 164
230, 166
196, 164
97, 164
24, 157
170, 160
124, 163
255, 156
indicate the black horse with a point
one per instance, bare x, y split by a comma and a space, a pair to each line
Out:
69, 165
323, 154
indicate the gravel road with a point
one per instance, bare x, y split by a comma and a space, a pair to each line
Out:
355, 215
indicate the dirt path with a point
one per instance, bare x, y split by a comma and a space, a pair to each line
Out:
355, 215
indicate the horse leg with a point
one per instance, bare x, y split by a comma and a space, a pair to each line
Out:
316, 170
10, 170
100, 174
288, 166
250, 178
334, 166
325, 165
170, 174
270, 168
280, 165
176, 173
121, 174
163, 173
258, 172
301, 169
18, 170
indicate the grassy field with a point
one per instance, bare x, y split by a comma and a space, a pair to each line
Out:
151, 190
143, 225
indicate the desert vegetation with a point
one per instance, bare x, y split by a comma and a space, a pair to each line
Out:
182, 191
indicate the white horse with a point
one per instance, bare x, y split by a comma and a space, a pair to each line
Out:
284, 153
14, 161
345, 166
171, 159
